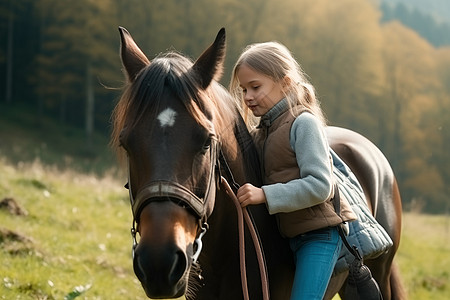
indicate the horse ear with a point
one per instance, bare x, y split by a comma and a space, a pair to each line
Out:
209, 65
133, 59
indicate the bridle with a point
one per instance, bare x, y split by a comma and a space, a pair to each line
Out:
172, 190
202, 207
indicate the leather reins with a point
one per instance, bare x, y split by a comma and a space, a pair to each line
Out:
243, 214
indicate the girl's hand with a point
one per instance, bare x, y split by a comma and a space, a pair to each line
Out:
250, 195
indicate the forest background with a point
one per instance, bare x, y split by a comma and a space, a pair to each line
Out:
380, 68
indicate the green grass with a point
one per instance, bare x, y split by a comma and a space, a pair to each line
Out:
78, 227
77, 235
424, 256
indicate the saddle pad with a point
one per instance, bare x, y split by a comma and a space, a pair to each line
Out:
365, 233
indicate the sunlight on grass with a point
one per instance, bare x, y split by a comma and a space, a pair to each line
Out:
78, 225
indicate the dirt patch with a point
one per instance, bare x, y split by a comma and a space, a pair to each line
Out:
10, 205
8, 236
16, 244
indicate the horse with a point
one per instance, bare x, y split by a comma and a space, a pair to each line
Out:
181, 132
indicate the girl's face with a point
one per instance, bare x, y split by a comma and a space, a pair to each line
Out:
261, 93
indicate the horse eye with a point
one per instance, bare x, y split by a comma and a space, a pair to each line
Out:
206, 145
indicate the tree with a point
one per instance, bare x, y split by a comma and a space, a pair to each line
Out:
75, 50
9, 53
17, 46
410, 76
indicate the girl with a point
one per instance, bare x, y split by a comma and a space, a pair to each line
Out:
296, 162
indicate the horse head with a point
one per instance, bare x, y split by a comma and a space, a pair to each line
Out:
166, 124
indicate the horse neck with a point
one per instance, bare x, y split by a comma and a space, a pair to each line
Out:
241, 154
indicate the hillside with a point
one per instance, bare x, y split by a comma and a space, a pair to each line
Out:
25, 137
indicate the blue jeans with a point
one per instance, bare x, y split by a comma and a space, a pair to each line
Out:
315, 255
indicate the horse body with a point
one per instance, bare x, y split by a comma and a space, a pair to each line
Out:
174, 121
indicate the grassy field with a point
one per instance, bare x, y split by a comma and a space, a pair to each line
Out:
75, 235
73, 241
424, 256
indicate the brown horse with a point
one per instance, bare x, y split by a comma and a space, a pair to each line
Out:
179, 127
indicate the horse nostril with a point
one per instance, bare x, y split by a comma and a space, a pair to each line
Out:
178, 267
138, 270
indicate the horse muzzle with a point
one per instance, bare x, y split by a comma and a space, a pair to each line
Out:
161, 269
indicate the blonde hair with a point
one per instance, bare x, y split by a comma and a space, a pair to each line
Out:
274, 60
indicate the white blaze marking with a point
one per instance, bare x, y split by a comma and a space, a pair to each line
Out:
167, 117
